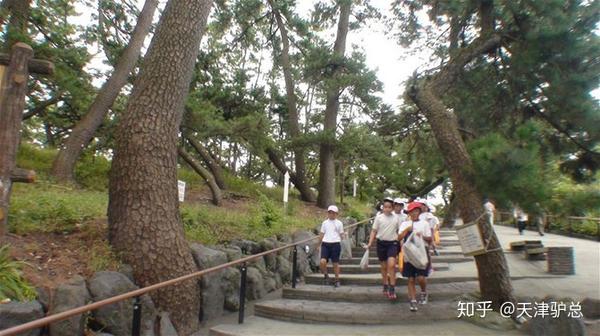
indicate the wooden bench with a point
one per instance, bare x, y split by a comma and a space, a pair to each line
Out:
535, 253
522, 244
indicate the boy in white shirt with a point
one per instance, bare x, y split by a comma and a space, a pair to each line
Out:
385, 229
399, 209
330, 239
422, 230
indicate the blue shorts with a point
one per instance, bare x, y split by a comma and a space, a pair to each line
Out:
410, 271
331, 251
387, 249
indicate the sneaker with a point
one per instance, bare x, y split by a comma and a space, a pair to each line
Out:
336, 284
435, 252
392, 293
413, 306
423, 299
385, 290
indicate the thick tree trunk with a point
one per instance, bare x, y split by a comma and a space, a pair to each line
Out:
215, 168
214, 188
143, 211
64, 165
326, 153
304, 189
13, 89
290, 89
494, 276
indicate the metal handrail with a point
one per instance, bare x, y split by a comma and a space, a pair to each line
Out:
141, 291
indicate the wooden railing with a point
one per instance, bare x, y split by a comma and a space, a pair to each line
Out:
138, 292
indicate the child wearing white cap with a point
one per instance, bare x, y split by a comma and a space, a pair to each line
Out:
330, 237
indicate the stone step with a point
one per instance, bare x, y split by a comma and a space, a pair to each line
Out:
435, 259
438, 277
254, 325
396, 312
374, 268
373, 294
441, 251
374, 279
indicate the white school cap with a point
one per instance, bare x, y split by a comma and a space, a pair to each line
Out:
333, 208
399, 201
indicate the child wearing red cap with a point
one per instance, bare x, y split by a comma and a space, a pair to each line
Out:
422, 230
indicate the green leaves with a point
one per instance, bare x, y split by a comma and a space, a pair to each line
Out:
12, 284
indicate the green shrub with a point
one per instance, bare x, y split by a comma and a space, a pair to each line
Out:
91, 172
35, 158
270, 214
12, 284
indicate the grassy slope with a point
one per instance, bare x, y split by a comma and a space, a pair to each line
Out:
73, 218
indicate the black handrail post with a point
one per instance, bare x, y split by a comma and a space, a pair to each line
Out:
294, 266
137, 317
243, 270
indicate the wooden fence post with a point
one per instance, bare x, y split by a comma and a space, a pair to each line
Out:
13, 90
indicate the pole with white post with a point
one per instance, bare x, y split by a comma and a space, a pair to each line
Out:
354, 188
286, 189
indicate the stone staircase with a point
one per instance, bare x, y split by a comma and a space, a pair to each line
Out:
359, 300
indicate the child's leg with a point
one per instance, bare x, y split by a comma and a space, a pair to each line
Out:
384, 275
391, 270
336, 269
323, 266
422, 283
412, 290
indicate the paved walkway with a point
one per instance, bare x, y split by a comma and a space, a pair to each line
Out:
585, 282
361, 296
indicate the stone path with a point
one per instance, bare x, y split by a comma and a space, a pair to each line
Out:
359, 308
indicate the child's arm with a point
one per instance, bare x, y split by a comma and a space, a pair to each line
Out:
404, 232
372, 238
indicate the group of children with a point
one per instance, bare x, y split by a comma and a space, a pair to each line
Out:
391, 228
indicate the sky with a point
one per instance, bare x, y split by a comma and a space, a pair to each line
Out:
384, 55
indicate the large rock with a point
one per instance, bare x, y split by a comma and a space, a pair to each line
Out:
270, 259
67, 296
284, 269
285, 239
304, 265
247, 246
269, 282
259, 264
590, 308
116, 318
255, 284
15, 313
43, 296
231, 288
233, 252
213, 295
563, 325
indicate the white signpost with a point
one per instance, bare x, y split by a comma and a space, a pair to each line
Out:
354, 188
470, 239
181, 190
286, 189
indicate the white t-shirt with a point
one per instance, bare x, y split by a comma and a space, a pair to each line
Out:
417, 226
386, 227
332, 230
430, 218
401, 216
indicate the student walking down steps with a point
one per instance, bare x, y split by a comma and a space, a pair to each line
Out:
421, 230
385, 230
332, 231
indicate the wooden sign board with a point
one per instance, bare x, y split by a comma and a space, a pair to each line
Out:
471, 241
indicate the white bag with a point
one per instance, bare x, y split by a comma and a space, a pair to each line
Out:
415, 252
346, 248
364, 262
